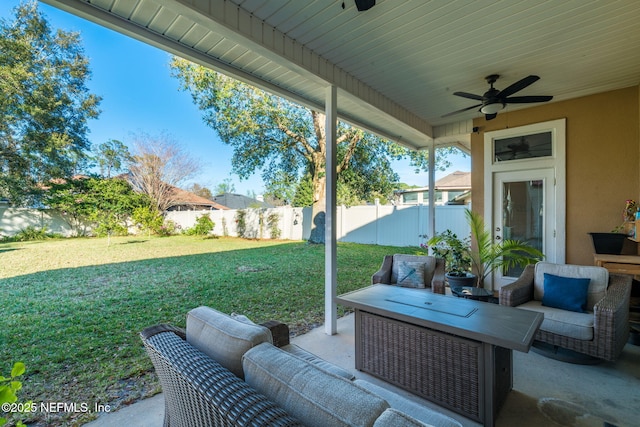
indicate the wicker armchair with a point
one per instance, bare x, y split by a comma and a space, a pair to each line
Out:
433, 274
610, 315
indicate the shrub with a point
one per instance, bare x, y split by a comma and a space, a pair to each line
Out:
148, 219
272, 222
168, 228
31, 233
225, 229
110, 228
241, 223
204, 225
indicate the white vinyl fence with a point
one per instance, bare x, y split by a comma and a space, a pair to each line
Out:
377, 224
13, 220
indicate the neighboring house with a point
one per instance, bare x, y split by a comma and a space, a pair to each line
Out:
183, 200
238, 201
187, 201
453, 189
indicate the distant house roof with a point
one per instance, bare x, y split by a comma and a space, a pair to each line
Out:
455, 189
456, 180
238, 201
189, 201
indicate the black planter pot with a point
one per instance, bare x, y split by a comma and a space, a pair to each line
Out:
460, 281
608, 243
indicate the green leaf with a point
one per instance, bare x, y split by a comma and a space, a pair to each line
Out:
18, 369
16, 385
7, 395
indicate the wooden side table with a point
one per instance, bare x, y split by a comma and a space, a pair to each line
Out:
620, 264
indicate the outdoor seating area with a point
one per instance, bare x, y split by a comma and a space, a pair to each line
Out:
543, 389
226, 370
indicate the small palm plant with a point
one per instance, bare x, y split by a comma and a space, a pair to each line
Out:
490, 256
487, 256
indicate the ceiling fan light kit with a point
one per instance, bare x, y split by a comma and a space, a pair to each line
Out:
492, 108
495, 100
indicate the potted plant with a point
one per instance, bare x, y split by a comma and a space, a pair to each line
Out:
455, 252
487, 255
612, 242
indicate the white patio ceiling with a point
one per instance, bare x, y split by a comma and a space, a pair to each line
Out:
397, 64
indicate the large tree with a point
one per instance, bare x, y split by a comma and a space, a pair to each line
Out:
200, 190
287, 141
160, 164
44, 103
112, 156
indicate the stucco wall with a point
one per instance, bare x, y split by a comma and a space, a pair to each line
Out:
603, 161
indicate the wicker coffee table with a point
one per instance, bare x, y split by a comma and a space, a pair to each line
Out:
455, 352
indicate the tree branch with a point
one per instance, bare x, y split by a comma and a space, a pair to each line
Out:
353, 142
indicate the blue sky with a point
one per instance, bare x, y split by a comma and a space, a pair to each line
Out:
140, 96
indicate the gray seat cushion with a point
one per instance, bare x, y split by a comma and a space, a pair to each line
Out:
563, 322
313, 395
223, 338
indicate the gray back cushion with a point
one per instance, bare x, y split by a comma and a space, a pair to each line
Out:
309, 393
223, 338
597, 286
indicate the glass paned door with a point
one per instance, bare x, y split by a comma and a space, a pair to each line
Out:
524, 205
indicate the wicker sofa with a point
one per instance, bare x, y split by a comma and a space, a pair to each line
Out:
600, 332
394, 267
224, 371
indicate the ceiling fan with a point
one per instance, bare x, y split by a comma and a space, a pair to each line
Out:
495, 100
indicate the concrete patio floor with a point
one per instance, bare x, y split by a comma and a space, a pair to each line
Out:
546, 392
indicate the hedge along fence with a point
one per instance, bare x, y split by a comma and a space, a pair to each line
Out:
375, 224
280, 223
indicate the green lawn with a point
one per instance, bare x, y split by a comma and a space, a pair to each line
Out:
72, 309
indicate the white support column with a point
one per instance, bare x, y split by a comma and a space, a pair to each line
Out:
432, 189
330, 251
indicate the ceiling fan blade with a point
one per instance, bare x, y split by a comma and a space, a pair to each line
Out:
490, 116
527, 99
460, 111
469, 95
518, 86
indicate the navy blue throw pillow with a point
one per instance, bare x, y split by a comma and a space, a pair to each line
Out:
567, 293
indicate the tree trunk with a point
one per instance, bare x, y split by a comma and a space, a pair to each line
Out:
318, 209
